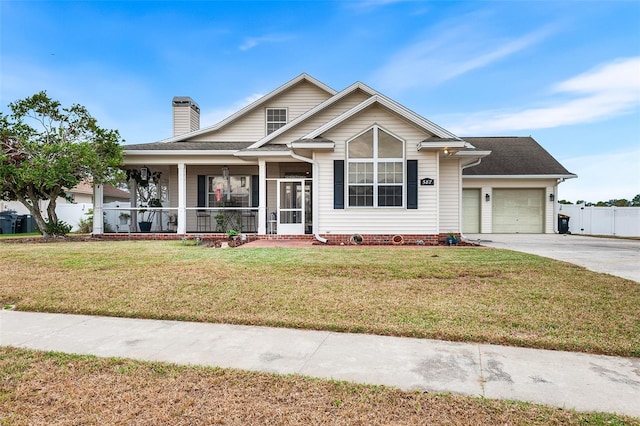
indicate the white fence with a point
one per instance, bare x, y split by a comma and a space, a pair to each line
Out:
619, 221
73, 213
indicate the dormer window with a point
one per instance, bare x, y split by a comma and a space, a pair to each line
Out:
276, 118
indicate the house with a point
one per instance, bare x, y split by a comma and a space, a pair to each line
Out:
512, 190
308, 161
79, 194
83, 193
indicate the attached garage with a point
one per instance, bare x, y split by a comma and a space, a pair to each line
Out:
517, 184
518, 211
471, 211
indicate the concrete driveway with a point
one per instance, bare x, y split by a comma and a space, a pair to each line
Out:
613, 256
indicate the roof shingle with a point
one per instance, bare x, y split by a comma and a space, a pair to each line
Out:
513, 156
188, 146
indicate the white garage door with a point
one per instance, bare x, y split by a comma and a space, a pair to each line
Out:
518, 211
470, 211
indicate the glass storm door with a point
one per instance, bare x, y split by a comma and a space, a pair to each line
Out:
291, 202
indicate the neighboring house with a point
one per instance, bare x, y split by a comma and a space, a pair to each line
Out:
83, 193
308, 160
80, 194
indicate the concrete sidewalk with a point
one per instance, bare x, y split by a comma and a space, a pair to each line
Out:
564, 379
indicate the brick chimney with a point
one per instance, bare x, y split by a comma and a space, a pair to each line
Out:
186, 115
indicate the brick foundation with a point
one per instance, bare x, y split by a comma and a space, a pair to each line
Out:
383, 239
333, 239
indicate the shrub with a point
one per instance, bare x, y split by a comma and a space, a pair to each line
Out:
57, 229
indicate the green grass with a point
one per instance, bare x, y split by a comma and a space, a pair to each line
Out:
462, 294
24, 235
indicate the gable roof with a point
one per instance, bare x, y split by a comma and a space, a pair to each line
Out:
86, 187
187, 146
514, 156
320, 107
391, 105
253, 105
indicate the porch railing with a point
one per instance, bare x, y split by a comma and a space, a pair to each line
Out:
165, 219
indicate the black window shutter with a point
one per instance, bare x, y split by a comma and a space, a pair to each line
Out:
412, 184
338, 184
202, 191
255, 190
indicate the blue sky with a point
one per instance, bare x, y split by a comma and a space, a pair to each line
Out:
565, 72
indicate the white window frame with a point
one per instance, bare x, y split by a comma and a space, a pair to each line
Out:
278, 123
376, 161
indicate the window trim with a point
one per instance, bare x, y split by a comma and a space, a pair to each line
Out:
267, 121
375, 160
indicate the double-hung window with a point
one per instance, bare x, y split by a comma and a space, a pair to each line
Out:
276, 118
375, 164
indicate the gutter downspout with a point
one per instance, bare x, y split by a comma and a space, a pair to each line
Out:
475, 163
314, 176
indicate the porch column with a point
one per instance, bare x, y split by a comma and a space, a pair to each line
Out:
98, 221
262, 204
182, 199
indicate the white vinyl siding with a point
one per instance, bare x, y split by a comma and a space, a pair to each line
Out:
321, 118
251, 127
377, 220
449, 190
184, 121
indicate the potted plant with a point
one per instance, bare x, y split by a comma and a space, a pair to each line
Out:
147, 183
148, 215
124, 218
233, 234
219, 222
452, 239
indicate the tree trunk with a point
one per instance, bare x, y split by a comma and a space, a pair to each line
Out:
51, 210
37, 215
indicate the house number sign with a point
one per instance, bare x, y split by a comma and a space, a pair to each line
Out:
426, 181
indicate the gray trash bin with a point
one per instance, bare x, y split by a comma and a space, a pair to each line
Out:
8, 221
563, 224
5, 225
28, 224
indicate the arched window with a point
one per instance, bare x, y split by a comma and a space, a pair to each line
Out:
375, 161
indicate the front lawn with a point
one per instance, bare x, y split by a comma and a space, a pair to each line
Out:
460, 294
38, 388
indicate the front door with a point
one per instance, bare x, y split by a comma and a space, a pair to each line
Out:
291, 203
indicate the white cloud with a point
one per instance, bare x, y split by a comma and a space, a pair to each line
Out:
448, 53
251, 42
216, 115
606, 91
602, 177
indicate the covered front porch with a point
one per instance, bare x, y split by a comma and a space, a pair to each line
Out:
263, 198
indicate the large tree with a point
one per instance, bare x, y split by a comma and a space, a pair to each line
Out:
48, 149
